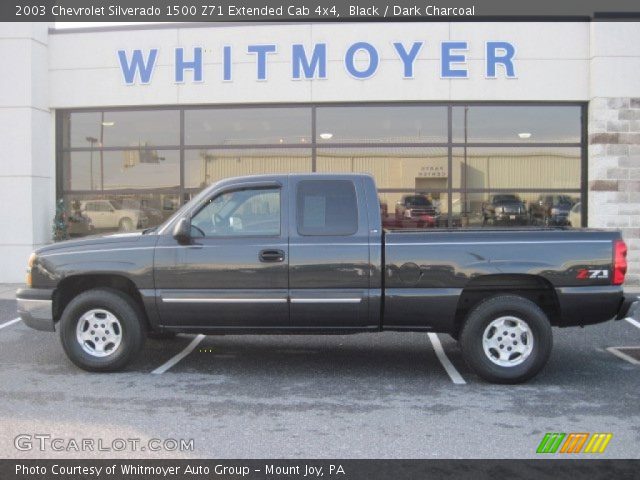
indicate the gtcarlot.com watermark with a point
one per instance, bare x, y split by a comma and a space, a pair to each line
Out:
43, 442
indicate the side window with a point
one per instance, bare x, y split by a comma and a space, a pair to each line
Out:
248, 212
327, 207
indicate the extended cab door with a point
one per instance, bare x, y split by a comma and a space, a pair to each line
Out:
234, 273
329, 267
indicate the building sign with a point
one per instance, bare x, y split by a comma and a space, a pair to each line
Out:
361, 60
432, 171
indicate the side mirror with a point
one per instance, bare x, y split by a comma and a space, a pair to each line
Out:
182, 231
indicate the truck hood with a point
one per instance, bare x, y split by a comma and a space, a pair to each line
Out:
92, 240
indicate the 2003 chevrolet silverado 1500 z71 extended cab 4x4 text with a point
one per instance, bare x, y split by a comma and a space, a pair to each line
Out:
306, 254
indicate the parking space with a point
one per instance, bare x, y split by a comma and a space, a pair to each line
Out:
373, 395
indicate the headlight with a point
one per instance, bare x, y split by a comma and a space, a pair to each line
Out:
28, 279
555, 211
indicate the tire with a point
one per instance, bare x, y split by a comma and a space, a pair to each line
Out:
121, 338
126, 225
525, 349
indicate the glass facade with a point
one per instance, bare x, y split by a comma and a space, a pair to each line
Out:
436, 165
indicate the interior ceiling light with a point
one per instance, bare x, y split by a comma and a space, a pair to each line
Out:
108, 124
326, 136
524, 135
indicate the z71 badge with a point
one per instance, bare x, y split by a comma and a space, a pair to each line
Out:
585, 273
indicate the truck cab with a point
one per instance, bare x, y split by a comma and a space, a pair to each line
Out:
268, 254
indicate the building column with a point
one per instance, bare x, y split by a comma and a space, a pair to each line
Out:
614, 135
27, 158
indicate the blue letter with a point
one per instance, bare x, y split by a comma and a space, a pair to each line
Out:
196, 65
226, 55
262, 51
448, 59
318, 61
349, 60
137, 64
508, 52
408, 57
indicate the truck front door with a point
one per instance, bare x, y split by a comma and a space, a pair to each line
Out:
329, 267
234, 273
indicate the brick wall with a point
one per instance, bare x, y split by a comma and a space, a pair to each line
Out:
614, 172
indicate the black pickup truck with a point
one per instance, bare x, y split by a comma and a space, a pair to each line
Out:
306, 254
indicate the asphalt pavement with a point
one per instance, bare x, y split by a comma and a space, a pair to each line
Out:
359, 396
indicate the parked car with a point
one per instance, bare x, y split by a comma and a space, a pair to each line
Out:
413, 206
306, 254
551, 210
109, 214
506, 208
152, 215
575, 215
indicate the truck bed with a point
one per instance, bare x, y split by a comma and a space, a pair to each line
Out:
429, 270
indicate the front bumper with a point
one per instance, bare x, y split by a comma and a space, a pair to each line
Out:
35, 307
511, 217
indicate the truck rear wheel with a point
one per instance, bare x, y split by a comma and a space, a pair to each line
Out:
506, 339
101, 330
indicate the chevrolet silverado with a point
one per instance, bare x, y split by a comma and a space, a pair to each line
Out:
307, 254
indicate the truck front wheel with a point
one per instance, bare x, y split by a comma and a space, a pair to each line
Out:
506, 339
101, 330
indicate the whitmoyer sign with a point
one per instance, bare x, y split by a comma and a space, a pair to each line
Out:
361, 60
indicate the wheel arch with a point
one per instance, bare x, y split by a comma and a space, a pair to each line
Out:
533, 287
73, 285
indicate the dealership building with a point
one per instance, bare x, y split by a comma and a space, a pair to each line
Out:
125, 124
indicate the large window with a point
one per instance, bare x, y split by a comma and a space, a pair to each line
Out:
436, 165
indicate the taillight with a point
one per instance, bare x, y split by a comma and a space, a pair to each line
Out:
619, 262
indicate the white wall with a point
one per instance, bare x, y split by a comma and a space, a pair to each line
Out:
552, 63
27, 161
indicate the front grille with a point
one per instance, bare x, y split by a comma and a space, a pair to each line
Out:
419, 212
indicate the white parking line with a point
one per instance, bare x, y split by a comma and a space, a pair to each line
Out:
446, 363
10, 322
633, 322
172, 361
622, 355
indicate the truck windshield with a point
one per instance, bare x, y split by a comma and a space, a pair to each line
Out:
506, 199
180, 212
417, 201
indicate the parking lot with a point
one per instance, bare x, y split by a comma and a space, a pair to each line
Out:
391, 395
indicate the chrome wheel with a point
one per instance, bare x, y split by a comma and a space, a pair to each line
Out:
507, 341
99, 332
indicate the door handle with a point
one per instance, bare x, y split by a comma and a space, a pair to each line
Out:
271, 255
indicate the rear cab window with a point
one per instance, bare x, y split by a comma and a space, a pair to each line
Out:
326, 207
